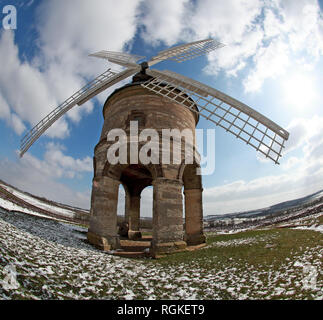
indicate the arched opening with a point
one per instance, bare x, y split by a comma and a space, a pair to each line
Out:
135, 178
121, 212
146, 210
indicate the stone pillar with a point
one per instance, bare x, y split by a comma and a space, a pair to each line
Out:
127, 205
167, 217
132, 214
194, 217
134, 218
103, 222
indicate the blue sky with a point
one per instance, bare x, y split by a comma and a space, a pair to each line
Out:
272, 62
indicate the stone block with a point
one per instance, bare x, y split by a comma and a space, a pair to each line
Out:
194, 239
103, 243
159, 250
134, 235
180, 245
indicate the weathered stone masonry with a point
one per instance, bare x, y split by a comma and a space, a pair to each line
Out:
132, 102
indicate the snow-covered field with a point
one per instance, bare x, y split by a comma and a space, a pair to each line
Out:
36, 202
313, 227
243, 241
47, 259
8, 205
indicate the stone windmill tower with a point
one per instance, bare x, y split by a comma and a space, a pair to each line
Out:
133, 105
158, 101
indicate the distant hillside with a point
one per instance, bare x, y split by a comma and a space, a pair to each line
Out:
13, 199
272, 210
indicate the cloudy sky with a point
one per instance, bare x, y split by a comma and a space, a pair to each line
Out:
272, 61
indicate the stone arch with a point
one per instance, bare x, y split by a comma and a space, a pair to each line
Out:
122, 223
134, 178
115, 170
188, 173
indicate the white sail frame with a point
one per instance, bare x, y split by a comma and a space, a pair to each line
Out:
232, 115
124, 59
235, 117
186, 51
100, 83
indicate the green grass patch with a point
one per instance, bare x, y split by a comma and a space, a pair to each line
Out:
270, 247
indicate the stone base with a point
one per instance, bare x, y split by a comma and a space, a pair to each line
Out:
103, 243
194, 239
158, 250
134, 235
123, 229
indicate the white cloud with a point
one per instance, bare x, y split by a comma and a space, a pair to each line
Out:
293, 31
58, 165
23, 88
291, 162
4, 108
304, 131
275, 34
300, 90
227, 21
11, 118
17, 124
270, 62
40, 177
231, 22
63, 164
232, 58
272, 23
163, 20
68, 32
301, 21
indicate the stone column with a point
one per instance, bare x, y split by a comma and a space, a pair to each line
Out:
194, 217
134, 218
132, 214
103, 222
167, 217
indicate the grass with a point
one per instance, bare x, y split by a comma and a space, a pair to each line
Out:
266, 257
284, 243
258, 264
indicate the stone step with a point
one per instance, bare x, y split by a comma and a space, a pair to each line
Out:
132, 254
134, 248
145, 238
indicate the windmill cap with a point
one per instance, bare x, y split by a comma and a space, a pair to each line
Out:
138, 83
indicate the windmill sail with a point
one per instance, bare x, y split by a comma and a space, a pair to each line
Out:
100, 83
186, 51
232, 115
235, 117
123, 59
